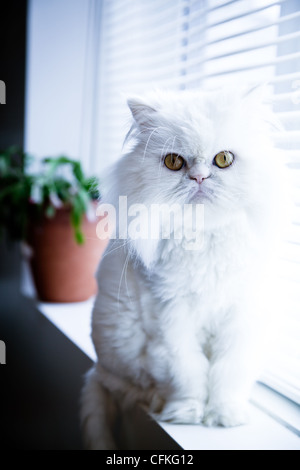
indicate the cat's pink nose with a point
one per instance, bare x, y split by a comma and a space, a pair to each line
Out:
198, 178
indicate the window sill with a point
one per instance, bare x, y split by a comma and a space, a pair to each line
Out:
274, 420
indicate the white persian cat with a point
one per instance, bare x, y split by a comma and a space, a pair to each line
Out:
181, 330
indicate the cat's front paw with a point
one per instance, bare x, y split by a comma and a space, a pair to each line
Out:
227, 414
187, 411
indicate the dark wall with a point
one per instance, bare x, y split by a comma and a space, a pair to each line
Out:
13, 18
40, 383
13, 15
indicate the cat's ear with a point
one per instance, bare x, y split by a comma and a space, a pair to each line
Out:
143, 114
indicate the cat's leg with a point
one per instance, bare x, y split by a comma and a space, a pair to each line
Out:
98, 414
186, 376
231, 375
187, 402
183, 407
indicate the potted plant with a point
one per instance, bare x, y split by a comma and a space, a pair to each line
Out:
53, 211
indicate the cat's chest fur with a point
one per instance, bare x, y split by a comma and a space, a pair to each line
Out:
195, 290
221, 265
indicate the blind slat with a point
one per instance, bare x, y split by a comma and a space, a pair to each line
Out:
254, 66
250, 31
247, 13
252, 48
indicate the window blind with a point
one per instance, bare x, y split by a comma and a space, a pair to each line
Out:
181, 44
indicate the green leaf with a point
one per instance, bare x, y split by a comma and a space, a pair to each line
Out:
77, 172
77, 213
91, 185
79, 237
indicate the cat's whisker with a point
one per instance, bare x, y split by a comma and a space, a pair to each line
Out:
117, 248
149, 138
163, 151
121, 279
134, 133
125, 278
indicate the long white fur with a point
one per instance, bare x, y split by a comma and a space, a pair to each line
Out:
179, 331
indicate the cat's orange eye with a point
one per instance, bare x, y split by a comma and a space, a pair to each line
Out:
174, 162
224, 159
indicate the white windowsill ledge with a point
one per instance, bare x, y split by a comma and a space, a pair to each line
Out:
268, 430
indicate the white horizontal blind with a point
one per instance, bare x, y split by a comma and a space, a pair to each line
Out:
140, 48
204, 43
284, 371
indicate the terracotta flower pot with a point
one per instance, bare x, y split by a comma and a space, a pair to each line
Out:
64, 271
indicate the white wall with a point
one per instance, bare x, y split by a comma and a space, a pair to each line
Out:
59, 77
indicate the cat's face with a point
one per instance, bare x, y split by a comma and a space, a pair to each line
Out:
195, 147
